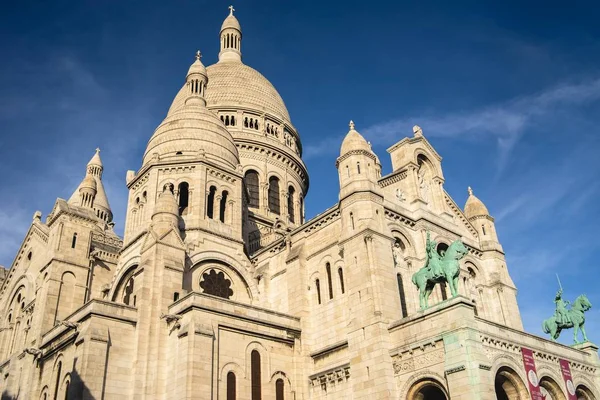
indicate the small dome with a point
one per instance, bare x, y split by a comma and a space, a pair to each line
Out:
231, 21
197, 67
166, 203
193, 129
354, 141
474, 207
89, 182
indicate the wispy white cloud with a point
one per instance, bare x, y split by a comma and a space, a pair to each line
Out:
504, 122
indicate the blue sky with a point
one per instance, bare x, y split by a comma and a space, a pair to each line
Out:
508, 94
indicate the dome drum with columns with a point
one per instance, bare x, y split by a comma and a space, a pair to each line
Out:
220, 289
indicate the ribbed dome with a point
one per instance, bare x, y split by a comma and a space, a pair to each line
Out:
193, 129
88, 182
197, 67
165, 204
475, 207
354, 141
231, 22
235, 84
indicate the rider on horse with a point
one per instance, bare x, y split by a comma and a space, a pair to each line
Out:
432, 263
561, 314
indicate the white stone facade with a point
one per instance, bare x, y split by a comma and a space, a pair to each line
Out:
220, 290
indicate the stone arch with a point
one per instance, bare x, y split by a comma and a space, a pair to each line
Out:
132, 262
583, 392
265, 360
240, 377
66, 296
585, 387
45, 393
425, 155
287, 384
25, 281
508, 384
419, 380
549, 384
117, 295
201, 261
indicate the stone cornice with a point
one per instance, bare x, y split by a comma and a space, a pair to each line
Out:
392, 178
355, 153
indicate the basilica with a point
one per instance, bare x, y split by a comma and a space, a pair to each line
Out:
220, 289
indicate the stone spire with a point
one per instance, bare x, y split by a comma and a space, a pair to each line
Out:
196, 81
231, 38
90, 193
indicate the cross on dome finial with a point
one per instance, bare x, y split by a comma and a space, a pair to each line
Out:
470, 191
231, 10
97, 150
198, 55
351, 124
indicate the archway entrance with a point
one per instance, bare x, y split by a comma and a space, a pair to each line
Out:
508, 385
551, 389
583, 393
427, 390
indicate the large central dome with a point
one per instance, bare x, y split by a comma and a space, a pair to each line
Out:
234, 83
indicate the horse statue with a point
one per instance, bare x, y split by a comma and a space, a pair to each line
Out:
439, 268
566, 319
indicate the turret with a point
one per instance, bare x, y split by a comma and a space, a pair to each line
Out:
90, 192
196, 80
357, 165
231, 38
479, 216
166, 211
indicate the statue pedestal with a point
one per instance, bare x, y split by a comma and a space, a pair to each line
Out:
589, 348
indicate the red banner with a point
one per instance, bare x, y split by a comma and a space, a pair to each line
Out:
531, 373
566, 373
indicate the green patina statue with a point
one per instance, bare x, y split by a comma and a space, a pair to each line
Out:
564, 318
439, 268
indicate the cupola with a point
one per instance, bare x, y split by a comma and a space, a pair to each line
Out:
231, 38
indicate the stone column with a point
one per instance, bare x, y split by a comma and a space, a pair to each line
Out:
217, 207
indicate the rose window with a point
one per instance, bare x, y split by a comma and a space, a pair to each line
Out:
216, 284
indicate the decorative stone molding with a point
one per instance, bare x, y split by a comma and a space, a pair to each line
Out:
409, 359
393, 216
458, 212
394, 177
322, 222
455, 370
330, 377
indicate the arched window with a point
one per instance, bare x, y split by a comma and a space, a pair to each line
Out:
74, 240
402, 296
223, 205
230, 386
216, 284
245, 122
256, 124
274, 195
184, 196
255, 375
222, 119
65, 303
290, 203
279, 389
251, 123
318, 288
329, 282
358, 167
210, 202
341, 275
57, 383
227, 120
232, 121
252, 188
352, 220
483, 229
67, 385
